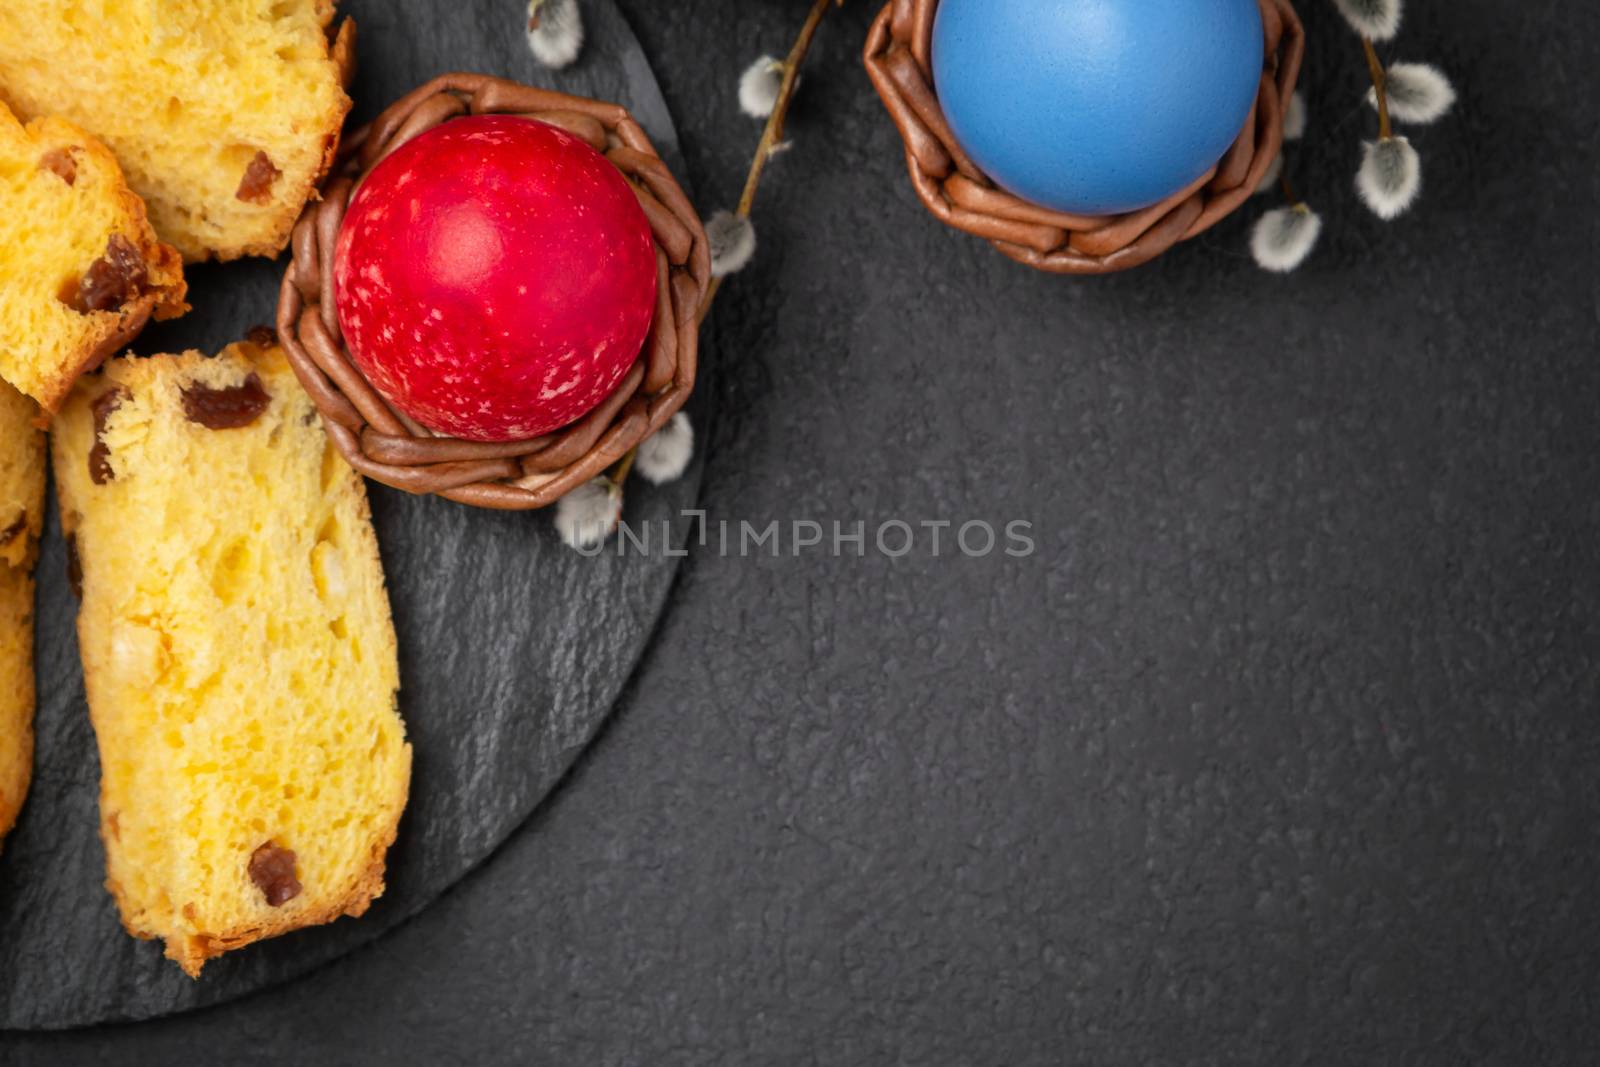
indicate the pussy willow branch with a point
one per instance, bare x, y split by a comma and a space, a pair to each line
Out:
1380, 87
772, 136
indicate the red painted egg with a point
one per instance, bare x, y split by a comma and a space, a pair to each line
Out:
496, 278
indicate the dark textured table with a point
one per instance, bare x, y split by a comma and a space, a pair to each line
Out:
1282, 747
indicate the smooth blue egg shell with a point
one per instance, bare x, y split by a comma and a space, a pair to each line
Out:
1096, 106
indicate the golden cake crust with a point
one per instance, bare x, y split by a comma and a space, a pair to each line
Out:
191, 952
21, 519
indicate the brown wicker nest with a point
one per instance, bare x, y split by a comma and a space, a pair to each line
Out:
952, 187
383, 443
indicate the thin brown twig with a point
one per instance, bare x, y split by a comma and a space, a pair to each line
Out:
1380, 87
619, 473
772, 136
1288, 190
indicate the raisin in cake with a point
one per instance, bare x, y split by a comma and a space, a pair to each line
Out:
223, 113
80, 268
21, 517
237, 650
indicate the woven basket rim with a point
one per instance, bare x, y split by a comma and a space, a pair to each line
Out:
959, 194
380, 441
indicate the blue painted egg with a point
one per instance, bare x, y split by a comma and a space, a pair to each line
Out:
1096, 106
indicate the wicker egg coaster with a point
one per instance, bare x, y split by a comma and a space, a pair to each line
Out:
958, 193
383, 443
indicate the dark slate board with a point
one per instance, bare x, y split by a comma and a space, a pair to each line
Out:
513, 648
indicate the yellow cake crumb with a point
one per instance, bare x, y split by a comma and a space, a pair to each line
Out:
238, 652
224, 113
67, 220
